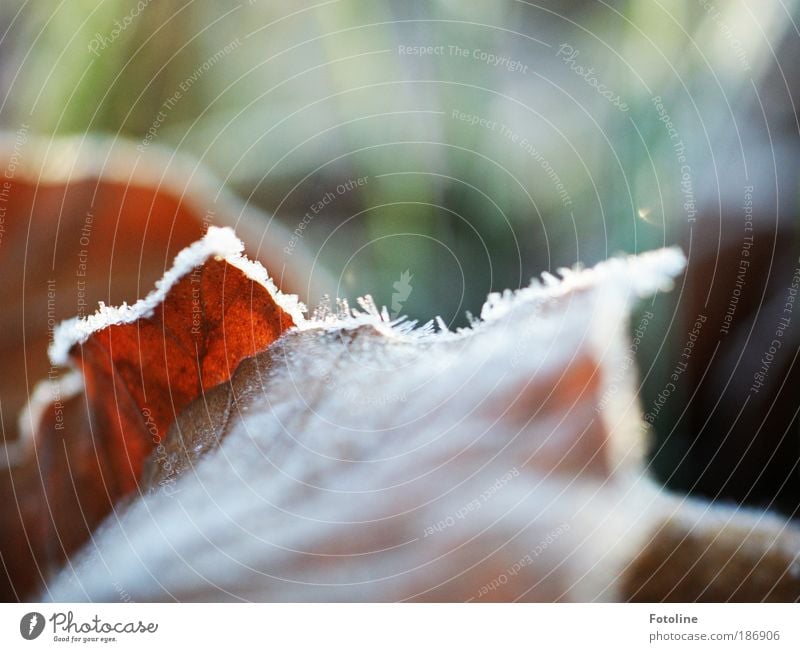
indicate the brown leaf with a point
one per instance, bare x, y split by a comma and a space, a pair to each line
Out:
81, 221
144, 364
356, 459
60, 253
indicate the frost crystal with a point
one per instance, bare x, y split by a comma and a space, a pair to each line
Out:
219, 242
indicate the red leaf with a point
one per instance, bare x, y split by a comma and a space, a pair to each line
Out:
86, 220
61, 250
144, 364
362, 459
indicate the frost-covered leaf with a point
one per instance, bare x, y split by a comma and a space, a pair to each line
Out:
63, 210
359, 458
350, 456
141, 365
84, 220
144, 363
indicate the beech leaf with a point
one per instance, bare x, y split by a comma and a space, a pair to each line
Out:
86, 220
359, 457
262, 455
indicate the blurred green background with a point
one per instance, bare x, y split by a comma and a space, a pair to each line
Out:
309, 95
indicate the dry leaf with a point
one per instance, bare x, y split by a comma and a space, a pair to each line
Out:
356, 458
86, 220
359, 458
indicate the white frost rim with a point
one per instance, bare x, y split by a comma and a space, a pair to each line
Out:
219, 242
639, 275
